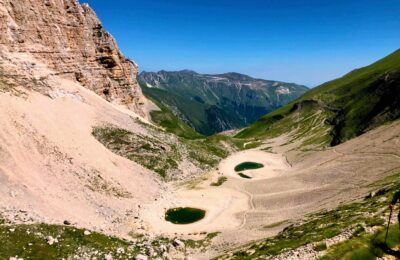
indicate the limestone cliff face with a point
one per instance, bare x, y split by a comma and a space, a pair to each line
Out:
71, 40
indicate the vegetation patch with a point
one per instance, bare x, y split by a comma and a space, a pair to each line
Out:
338, 110
365, 246
203, 243
220, 181
248, 166
184, 215
41, 241
147, 151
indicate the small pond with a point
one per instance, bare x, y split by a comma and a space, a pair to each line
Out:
244, 175
248, 166
184, 215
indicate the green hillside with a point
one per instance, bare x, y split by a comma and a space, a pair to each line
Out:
340, 109
215, 103
166, 118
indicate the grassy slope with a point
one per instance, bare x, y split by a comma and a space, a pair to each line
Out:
213, 108
30, 241
340, 109
198, 114
357, 217
166, 119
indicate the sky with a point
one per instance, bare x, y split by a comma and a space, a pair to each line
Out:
302, 41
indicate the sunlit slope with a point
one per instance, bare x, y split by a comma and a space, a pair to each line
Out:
211, 104
338, 110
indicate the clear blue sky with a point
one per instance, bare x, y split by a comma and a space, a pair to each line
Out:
302, 41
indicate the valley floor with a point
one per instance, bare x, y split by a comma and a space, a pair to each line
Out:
290, 185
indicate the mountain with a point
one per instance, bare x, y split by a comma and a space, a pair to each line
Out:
85, 173
71, 40
338, 110
215, 103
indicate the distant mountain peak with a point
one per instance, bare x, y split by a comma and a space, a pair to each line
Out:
212, 103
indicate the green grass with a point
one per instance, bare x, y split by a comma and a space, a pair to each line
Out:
364, 246
160, 155
185, 215
220, 181
320, 246
166, 119
148, 151
29, 242
338, 110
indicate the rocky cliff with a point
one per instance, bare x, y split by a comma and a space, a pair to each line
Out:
71, 40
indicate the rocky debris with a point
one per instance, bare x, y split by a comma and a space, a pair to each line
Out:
178, 244
163, 248
51, 240
308, 251
15, 258
87, 233
108, 257
71, 40
166, 256
141, 257
20, 216
66, 222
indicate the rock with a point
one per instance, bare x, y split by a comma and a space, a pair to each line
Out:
120, 250
178, 243
108, 257
66, 222
51, 240
150, 251
87, 233
163, 248
166, 256
72, 42
15, 258
141, 257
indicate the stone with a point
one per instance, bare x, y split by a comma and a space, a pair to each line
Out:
108, 257
178, 243
166, 256
120, 250
87, 233
66, 222
141, 257
51, 240
70, 39
163, 248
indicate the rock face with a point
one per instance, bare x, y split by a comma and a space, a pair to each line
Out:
71, 40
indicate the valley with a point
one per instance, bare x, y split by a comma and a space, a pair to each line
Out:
98, 161
211, 104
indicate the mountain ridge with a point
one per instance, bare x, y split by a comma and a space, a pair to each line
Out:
352, 104
232, 100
